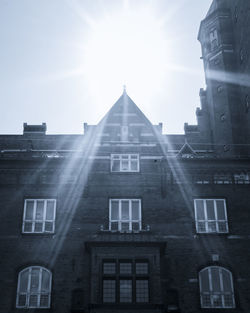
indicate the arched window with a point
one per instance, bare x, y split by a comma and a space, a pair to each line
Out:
34, 288
216, 288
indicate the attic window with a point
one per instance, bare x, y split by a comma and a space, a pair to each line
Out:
124, 133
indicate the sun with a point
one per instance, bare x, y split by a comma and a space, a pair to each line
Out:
126, 47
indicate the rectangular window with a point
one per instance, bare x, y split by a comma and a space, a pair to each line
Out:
125, 281
213, 36
125, 215
124, 162
39, 216
211, 216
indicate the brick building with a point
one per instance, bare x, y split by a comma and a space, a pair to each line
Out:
127, 219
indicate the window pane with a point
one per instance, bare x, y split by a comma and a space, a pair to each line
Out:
134, 157
134, 166
33, 301
141, 268
229, 301
135, 226
125, 268
222, 226
50, 210
115, 166
125, 226
135, 210
109, 268
21, 300
38, 227
39, 210
124, 165
226, 277
142, 290
220, 210
45, 281
48, 226
210, 210
109, 291
29, 210
125, 210
125, 290
114, 226
200, 209
211, 226
201, 227
206, 301
34, 283
217, 300
23, 283
204, 281
125, 157
44, 301
27, 226
215, 279
114, 210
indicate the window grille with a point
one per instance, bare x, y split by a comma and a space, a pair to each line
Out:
125, 281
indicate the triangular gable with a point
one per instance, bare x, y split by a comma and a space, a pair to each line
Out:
186, 151
126, 122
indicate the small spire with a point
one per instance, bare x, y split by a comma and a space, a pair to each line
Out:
124, 89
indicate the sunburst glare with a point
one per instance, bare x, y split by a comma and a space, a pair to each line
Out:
126, 46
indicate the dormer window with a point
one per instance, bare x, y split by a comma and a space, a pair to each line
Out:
213, 36
124, 162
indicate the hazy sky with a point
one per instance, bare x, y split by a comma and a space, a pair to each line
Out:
64, 62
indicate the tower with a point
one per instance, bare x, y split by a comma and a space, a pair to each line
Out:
222, 107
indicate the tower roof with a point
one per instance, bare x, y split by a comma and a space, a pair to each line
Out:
217, 4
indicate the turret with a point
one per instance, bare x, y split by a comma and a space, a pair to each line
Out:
221, 102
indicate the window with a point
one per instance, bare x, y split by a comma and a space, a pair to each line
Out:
216, 288
39, 216
242, 178
247, 103
210, 216
34, 288
223, 178
125, 281
125, 215
124, 163
213, 36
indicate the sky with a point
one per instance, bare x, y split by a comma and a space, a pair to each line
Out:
64, 62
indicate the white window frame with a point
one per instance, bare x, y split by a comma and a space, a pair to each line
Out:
215, 294
206, 221
119, 157
119, 221
34, 220
37, 293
